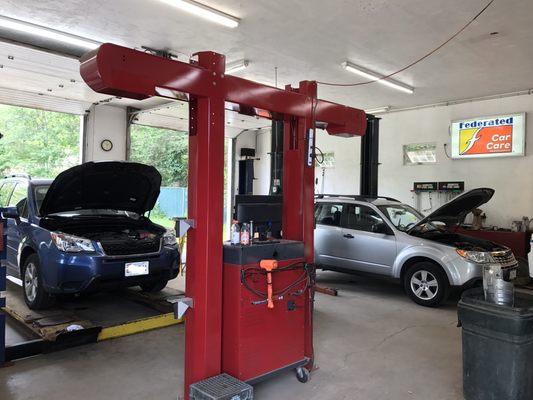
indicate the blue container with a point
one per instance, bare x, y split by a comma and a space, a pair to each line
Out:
173, 201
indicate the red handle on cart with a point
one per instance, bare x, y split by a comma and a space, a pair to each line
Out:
268, 266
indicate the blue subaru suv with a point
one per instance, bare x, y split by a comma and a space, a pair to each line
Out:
86, 230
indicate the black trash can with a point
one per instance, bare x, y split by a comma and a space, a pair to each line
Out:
497, 347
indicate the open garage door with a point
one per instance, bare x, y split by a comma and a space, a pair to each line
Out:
41, 101
39, 79
164, 113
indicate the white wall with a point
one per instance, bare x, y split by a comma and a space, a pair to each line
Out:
105, 122
343, 177
511, 177
262, 166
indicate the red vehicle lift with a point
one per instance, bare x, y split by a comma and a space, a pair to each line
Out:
124, 72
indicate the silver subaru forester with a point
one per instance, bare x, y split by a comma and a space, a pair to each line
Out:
386, 237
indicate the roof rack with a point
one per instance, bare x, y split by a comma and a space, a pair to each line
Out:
18, 175
356, 197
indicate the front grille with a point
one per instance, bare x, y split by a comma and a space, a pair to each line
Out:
126, 248
505, 258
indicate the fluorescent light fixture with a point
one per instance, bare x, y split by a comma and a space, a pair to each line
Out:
365, 73
236, 66
204, 11
52, 34
422, 156
171, 94
378, 110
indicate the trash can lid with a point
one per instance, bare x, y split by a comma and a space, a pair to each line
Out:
476, 314
523, 303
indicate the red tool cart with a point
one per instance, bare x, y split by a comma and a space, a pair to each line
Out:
261, 338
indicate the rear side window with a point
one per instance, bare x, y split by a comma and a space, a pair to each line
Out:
39, 194
19, 193
328, 214
18, 198
5, 193
22, 207
361, 218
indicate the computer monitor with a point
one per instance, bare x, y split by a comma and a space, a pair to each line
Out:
262, 210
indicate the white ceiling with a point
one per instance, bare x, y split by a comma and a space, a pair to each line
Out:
305, 39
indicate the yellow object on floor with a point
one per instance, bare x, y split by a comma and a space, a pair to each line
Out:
140, 325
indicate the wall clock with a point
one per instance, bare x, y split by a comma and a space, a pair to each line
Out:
106, 145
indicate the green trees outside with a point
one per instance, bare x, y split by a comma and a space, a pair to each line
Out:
36, 142
168, 151
44, 143
165, 149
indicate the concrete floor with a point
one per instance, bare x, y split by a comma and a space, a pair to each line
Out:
372, 343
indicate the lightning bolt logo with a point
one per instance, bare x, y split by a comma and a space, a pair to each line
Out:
470, 143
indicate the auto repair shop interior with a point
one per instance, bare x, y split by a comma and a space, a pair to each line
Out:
236, 200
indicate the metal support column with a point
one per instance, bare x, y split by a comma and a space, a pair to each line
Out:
2, 289
370, 158
298, 186
276, 157
203, 325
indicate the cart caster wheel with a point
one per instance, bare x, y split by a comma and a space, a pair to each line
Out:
302, 374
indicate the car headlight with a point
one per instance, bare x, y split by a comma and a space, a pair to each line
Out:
480, 257
169, 239
71, 243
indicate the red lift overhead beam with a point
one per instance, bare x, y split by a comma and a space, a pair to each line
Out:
124, 72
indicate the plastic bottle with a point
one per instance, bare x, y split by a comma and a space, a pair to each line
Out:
235, 233
245, 235
252, 232
269, 231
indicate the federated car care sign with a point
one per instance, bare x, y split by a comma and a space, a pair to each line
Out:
495, 136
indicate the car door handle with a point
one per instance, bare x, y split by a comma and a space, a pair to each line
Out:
349, 236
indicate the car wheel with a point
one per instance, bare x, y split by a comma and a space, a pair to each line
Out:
154, 286
426, 284
35, 296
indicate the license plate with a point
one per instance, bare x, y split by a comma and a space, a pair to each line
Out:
136, 268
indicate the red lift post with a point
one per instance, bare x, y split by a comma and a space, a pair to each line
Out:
124, 72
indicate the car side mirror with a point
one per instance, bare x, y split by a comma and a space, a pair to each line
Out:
380, 227
11, 212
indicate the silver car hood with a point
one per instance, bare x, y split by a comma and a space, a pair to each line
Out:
456, 210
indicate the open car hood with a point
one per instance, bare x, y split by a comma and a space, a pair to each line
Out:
113, 185
456, 210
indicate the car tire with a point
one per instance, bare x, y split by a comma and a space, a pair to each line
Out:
35, 296
154, 286
426, 284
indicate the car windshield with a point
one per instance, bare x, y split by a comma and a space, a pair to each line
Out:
402, 216
41, 190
